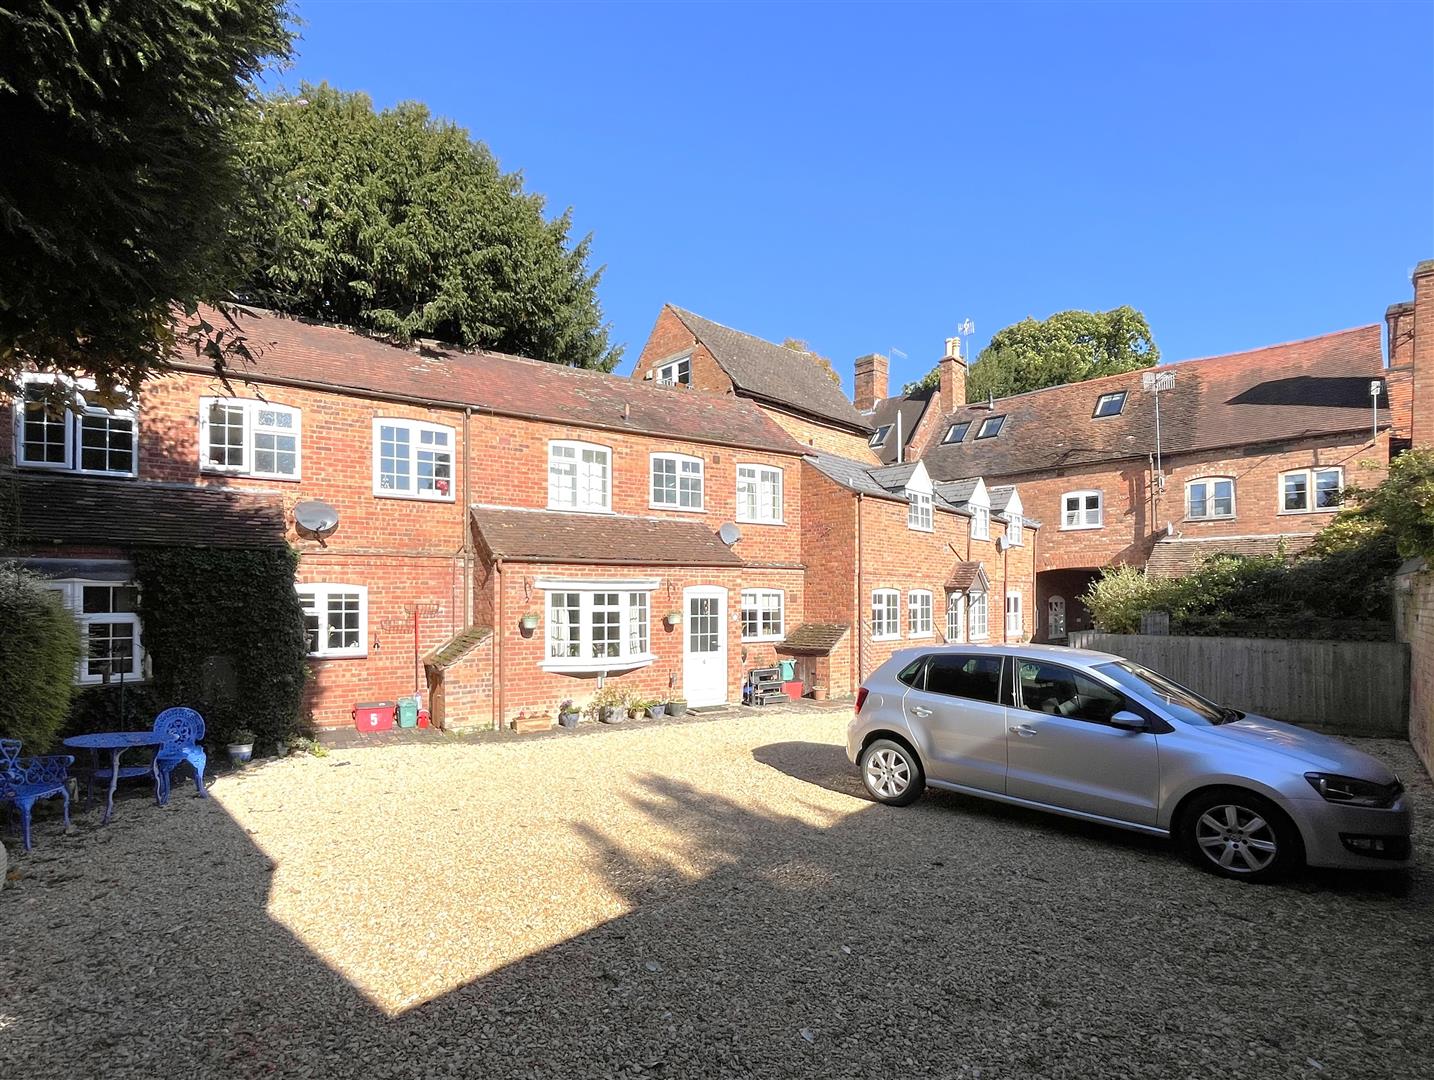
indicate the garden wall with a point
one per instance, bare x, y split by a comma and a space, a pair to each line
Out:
1414, 623
1342, 687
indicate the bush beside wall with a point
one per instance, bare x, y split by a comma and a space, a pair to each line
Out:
39, 648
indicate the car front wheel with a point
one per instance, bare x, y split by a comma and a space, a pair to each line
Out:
1239, 834
892, 773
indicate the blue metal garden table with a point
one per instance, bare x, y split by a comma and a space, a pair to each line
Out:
117, 742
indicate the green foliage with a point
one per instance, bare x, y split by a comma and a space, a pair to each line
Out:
1069, 347
609, 697
119, 183
1403, 505
197, 604
38, 653
798, 345
401, 224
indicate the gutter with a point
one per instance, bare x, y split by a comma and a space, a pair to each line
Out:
498, 645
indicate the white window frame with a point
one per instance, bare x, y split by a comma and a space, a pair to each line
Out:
1311, 478
761, 476
1096, 414
978, 614
668, 374
955, 617
980, 522
878, 437
75, 413
251, 429
1081, 520
314, 598
1208, 483
634, 624
919, 614
72, 595
581, 485
999, 420
919, 513
760, 602
1015, 614
416, 429
885, 615
677, 461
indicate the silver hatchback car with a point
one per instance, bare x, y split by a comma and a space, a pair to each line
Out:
1095, 736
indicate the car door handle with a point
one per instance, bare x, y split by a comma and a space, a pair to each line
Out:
917, 710
1023, 729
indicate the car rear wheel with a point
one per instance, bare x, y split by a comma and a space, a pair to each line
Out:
1239, 834
892, 773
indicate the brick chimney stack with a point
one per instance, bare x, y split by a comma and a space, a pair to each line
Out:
1399, 327
953, 377
872, 382
1421, 352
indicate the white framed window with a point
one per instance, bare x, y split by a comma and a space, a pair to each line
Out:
66, 424
579, 477
675, 372
878, 437
412, 459
955, 609
676, 482
918, 612
885, 614
595, 629
956, 432
239, 436
759, 494
111, 641
978, 616
1210, 497
1016, 530
918, 511
980, 523
991, 427
1015, 619
335, 619
763, 614
1109, 404
1311, 490
1082, 510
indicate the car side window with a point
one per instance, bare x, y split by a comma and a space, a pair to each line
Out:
911, 673
976, 678
1059, 691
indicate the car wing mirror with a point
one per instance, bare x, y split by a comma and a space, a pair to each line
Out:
1129, 721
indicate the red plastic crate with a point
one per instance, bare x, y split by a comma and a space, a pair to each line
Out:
374, 715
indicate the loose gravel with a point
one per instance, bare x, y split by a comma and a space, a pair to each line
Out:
689, 900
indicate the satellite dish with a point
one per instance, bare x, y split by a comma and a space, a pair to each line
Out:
315, 519
729, 534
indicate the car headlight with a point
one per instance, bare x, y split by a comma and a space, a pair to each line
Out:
1352, 792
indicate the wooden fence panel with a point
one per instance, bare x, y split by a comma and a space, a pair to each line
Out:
1347, 687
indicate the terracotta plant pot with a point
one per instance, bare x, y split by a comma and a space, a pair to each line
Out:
819, 693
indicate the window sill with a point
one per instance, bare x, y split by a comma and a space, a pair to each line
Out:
413, 498
920, 528
582, 665
339, 655
1317, 510
885, 637
922, 634
762, 640
590, 511
1212, 517
677, 509
759, 521
210, 470
1081, 528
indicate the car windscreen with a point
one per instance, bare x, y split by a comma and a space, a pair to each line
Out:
1157, 690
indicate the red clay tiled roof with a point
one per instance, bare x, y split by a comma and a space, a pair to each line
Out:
964, 575
59, 510
549, 536
1176, 556
292, 350
1313, 387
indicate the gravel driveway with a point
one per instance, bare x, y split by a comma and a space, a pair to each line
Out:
700, 899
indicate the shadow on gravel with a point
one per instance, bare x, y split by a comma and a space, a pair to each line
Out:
943, 941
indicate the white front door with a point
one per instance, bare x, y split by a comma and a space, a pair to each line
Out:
704, 650
1056, 625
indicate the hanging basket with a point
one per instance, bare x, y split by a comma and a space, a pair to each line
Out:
672, 618
528, 622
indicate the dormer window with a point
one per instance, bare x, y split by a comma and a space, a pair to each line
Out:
956, 432
991, 427
1109, 404
878, 438
675, 372
918, 511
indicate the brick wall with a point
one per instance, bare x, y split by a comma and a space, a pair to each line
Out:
1422, 353
1414, 594
669, 339
833, 440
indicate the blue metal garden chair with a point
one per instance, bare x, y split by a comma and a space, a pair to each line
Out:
182, 729
25, 780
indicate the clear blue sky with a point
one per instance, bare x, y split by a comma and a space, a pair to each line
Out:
867, 176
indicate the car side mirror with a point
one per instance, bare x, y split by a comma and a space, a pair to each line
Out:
1129, 721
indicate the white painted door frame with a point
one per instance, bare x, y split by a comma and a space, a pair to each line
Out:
704, 645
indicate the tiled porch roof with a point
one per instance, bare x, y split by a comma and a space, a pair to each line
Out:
813, 639
602, 539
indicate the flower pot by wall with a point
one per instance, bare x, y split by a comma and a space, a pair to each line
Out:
654, 711
240, 753
819, 693
676, 708
611, 714
568, 720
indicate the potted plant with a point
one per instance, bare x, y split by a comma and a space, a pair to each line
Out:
636, 707
656, 709
241, 747
608, 706
568, 714
281, 746
677, 707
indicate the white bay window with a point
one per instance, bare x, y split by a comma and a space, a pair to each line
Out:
597, 625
